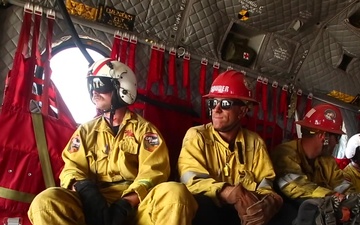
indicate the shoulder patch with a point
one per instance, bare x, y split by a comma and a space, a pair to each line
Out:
75, 144
151, 141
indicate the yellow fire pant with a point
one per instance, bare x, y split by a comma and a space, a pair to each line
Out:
168, 203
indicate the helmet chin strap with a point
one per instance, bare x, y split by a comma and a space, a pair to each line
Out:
115, 104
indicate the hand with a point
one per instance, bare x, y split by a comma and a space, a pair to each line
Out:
242, 199
95, 207
265, 209
119, 211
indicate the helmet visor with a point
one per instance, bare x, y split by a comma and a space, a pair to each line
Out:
101, 84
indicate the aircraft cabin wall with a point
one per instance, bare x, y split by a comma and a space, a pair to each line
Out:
312, 46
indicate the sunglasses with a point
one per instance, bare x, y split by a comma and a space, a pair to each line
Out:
224, 103
101, 85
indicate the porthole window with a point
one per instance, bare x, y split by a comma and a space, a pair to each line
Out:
69, 70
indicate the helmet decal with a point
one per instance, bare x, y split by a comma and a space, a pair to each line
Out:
330, 114
220, 89
311, 111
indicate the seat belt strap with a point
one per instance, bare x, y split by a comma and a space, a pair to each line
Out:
16, 195
38, 127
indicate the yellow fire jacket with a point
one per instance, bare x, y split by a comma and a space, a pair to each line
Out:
136, 155
297, 179
206, 162
353, 175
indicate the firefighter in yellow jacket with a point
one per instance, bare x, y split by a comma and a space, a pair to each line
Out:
227, 167
352, 152
116, 165
306, 169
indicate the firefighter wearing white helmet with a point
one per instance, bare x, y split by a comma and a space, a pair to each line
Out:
225, 166
116, 165
352, 152
308, 175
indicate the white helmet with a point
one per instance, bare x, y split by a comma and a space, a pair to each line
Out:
352, 146
107, 75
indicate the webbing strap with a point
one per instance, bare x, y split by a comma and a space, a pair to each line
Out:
186, 75
284, 107
264, 105
132, 49
123, 48
41, 144
216, 67
172, 71
16, 195
202, 86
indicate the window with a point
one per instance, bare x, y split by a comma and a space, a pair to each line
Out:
69, 70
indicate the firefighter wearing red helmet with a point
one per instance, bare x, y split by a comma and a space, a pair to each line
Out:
115, 166
307, 173
352, 152
225, 166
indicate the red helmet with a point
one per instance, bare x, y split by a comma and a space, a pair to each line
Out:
323, 117
231, 84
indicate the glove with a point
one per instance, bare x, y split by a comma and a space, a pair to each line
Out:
95, 206
262, 211
119, 211
242, 199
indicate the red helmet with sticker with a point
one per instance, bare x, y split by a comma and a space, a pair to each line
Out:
323, 117
231, 84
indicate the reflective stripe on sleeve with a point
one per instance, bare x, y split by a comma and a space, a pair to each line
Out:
188, 175
282, 181
342, 187
265, 183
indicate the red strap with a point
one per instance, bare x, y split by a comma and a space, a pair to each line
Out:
172, 71
264, 102
132, 48
216, 67
274, 103
153, 64
47, 69
258, 90
308, 102
274, 110
202, 84
284, 107
155, 68
186, 75
115, 50
160, 73
124, 46
14, 78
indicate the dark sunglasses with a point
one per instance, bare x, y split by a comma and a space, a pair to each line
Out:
101, 85
224, 103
